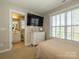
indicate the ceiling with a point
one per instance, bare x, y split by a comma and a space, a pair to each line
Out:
38, 6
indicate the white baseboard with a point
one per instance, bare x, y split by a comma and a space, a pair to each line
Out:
6, 50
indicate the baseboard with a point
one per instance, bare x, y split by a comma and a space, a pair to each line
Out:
6, 50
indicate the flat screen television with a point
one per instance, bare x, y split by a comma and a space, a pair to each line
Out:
34, 20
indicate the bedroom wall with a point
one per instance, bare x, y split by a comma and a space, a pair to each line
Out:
46, 25
64, 7
3, 28
4, 23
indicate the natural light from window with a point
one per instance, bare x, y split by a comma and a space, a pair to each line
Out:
65, 25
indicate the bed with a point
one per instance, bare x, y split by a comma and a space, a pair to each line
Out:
58, 49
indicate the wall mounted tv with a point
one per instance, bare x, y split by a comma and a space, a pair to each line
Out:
34, 20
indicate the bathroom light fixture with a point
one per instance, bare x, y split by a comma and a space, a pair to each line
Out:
15, 17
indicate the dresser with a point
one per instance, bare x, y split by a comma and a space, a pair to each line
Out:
37, 37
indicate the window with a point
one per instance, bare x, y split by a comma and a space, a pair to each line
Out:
75, 33
69, 34
66, 25
54, 21
58, 20
53, 31
62, 32
53, 25
75, 17
57, 26
75, 24
62, 19
69, 18
62, 28
58, 32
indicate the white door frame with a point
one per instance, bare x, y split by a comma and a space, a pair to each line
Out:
10, 26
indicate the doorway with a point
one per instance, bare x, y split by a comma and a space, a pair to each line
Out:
17, 30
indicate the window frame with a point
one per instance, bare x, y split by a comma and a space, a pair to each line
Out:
65, 26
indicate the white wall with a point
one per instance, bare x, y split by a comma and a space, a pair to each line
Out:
46, 25
70, 5
4, 23
3, 29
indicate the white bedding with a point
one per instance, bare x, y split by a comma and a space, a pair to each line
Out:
58, 49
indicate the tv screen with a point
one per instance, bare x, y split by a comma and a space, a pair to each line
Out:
34, 20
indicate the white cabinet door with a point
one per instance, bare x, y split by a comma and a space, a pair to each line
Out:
16, 37
37, 37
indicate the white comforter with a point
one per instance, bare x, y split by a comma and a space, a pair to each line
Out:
58, 49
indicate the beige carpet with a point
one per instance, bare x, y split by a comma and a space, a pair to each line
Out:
18, 45
20, 53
